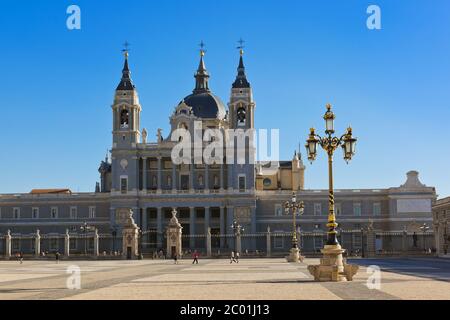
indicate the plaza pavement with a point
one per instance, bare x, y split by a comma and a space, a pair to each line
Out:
251, 279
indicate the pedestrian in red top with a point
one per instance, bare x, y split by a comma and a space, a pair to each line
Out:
195, 255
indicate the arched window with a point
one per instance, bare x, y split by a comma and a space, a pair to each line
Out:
241, 114
124, 118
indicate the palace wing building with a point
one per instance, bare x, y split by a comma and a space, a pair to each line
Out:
141, 175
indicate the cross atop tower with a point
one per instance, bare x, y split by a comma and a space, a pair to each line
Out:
202, 48
241, 46
125, 49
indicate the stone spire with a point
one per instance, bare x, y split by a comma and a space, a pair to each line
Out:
201, 76
126, 83
241, 79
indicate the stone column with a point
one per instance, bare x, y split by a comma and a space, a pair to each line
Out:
230, 177
159, 230
144, 174
191, 177
208, 243
404, 242
206, 178
96, 241
253, 227
159, 174
268, 242
67, 243
174, 177
221, 176
8, 241
207, 221
230, 217
144, 219
222, 227
192, 221
37, 243
238, 242
436, 236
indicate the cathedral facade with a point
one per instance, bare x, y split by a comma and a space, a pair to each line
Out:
209, 196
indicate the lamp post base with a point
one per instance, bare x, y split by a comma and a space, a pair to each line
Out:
332, 266
295, 256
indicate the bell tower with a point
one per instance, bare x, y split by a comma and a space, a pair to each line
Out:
241, 106
126, 111
241, 176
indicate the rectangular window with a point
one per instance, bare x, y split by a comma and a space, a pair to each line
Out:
54, 212
91, 212
338, 209
16, 213
123, 185
278, 210
377, 209
242, 184
357, 209
35, 213
73, 212
317, 209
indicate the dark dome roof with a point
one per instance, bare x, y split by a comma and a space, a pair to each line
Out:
206, 105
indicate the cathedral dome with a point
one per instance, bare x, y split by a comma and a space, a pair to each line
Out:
206, 105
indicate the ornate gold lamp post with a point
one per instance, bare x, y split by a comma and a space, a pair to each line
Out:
296, 208
332, 267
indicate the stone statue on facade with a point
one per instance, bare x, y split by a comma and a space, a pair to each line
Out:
144, 135
159, 135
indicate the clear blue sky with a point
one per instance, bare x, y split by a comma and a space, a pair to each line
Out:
391, 85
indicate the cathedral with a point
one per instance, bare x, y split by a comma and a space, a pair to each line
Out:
208, 197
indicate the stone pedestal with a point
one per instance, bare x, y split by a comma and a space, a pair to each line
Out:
294, 255
130, 234
332, 266
174, 231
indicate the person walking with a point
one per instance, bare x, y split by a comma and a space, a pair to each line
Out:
57, 257
195, 255
175, 258
232, 259
237, 257
21, 257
